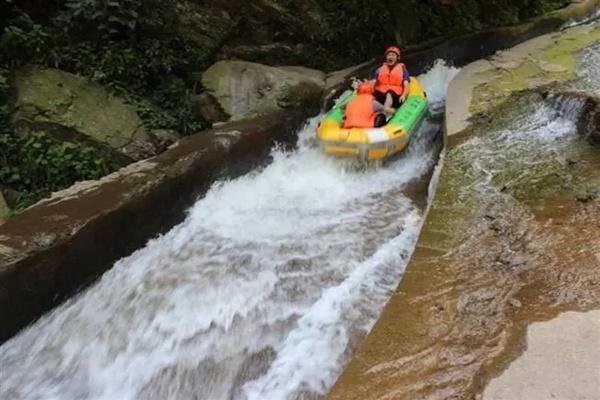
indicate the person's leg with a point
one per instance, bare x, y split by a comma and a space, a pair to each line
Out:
380, 120
379, 96
388, 104
396, 103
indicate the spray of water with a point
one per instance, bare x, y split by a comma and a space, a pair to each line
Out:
259, 294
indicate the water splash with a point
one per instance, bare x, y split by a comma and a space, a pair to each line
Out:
436, 81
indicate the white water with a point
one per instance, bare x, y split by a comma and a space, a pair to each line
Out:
261, 293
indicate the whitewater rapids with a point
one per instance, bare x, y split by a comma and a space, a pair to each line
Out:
261, 293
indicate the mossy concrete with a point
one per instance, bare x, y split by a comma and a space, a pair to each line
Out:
507, 241
544, 62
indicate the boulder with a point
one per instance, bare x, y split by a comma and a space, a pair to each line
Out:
244, 89
263, 31
268, 53
581, 107
206, 26
11, 196
69, 107
207, 108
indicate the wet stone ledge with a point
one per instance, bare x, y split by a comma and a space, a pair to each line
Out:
62, 244
587, 110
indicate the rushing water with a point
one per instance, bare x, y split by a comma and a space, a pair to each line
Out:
588, 70
261, 293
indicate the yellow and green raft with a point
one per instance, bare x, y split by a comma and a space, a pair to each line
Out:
368, 144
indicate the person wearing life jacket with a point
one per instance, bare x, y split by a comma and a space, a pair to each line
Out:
391, 88
364, 111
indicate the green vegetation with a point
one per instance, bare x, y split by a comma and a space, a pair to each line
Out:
126, 45
359, 28
37, 165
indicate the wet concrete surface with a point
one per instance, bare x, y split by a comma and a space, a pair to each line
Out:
570, 371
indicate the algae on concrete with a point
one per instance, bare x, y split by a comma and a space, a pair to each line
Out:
553, 64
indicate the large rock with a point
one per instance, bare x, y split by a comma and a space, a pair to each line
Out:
269, 53
71, 108
205, 25
263, 31
208, 108
245, 89
41, 250
582, 108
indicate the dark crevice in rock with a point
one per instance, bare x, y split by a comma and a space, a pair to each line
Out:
582, 108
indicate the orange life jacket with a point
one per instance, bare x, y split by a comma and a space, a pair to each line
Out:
359, 112
391, 79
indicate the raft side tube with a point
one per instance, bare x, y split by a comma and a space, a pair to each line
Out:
373, 143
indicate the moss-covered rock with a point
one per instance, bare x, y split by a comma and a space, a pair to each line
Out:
70, 108
244, 89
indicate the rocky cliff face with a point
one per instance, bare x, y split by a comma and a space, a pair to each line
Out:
326, 35
338, 33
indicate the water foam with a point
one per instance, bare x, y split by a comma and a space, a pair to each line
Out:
436, 81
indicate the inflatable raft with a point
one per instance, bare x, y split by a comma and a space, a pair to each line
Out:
368, 144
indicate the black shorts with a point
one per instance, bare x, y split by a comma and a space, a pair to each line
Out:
380, 97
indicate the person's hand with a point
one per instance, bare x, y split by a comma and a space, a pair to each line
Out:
355, 82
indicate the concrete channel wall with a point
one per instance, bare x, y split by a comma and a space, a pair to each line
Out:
61, 244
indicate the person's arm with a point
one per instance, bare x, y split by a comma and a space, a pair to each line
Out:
406, 84
376, 73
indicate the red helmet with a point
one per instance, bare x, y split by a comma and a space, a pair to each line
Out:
392, 49
365, 88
